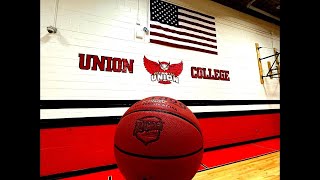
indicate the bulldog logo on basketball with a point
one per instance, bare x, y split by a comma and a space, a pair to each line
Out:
148, 129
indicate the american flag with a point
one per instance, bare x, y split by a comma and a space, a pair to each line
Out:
178, 27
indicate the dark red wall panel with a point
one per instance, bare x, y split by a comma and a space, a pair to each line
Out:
74, 148
227, 130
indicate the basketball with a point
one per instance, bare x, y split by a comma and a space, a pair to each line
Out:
158, 138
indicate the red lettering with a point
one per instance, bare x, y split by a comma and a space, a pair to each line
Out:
216, 74
209, 76
105, 63
204, 70
212, 74
84, 64
116, 64
193, 70
227, 76
199, 72
96, 63
108, 66
222, 75
127, 66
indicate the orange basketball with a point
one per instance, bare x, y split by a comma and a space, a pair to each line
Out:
158, 138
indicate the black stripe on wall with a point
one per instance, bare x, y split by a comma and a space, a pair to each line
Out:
240, 143
61, 104
108, 120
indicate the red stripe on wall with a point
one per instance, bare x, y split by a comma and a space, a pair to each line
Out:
228, 130
68, 149
75, 148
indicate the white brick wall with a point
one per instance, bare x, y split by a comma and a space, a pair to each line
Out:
107, 28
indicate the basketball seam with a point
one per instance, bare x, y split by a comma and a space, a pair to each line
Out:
168, 112
157, 157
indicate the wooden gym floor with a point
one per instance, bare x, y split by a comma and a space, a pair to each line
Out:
266, 167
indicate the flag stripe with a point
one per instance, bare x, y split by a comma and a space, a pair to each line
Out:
197, 30
182, 43
184, 37
195, 27
197, 24
197, 13
197, 18
182, 33
196, 21
181, 46
181, 39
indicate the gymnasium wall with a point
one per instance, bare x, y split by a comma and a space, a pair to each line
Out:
80, 108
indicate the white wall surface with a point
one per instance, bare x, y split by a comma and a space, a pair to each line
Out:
108, 27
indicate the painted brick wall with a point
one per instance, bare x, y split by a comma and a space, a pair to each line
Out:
107, 28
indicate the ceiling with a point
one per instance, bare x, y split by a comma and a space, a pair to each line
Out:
268, 10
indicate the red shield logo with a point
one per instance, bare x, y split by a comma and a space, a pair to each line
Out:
163, 72
148, 129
